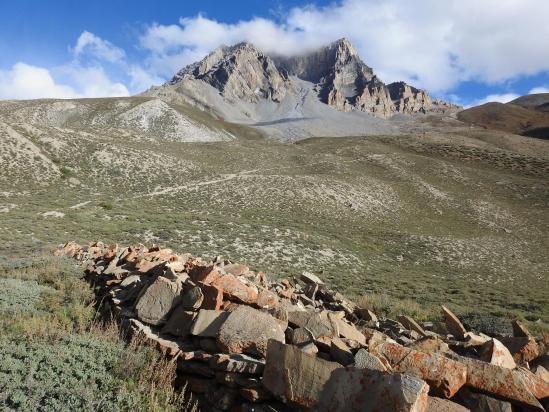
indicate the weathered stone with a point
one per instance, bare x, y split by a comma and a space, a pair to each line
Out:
157, 302
237, 363
213, 297
301, 336
365, 360
267, 299
444, 405
430, 344
524, 349
208, 323
364, 390
204, 274
234, 289
520, 330
166, 346
474, 339
346, 330
454, 325
235, 269
180, 322
248, 330
514, 384
541, 372
308, 277
237, 380
309, 348
478, 402
340, 352
366, 314
316, 324
192, 299
445, 376
496, 353
411, 324
292, 375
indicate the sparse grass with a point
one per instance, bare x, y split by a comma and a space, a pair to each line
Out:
55, 358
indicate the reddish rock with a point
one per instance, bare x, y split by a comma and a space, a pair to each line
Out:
411, 324
496, 353
235, 269
266, 299
255, 394
204, 274
445, 376
523, 349
517, 385
520, 330
234, 289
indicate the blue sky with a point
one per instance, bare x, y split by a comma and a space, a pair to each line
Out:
468, 51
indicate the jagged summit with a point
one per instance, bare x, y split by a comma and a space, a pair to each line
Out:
339, 77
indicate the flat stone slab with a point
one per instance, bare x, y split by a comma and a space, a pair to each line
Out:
291, 374
365, 360
208, 323
237, 363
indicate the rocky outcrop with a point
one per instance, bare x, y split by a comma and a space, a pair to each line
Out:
239, 72
297, 345
340, 78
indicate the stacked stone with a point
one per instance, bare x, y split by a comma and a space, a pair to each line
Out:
243, 343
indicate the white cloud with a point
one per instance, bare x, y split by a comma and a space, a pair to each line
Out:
89, 43
429, 43
24, 81
540, 89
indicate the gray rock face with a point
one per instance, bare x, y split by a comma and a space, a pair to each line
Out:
340, 78
155, 305
239, 72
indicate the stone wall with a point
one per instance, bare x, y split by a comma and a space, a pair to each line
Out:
244, 343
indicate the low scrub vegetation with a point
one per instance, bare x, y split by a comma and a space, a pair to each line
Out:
57, 355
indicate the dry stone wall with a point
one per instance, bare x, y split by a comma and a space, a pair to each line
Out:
244, 343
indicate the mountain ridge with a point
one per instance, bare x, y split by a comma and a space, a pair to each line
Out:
338, 76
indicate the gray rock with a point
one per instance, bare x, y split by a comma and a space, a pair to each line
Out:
155, 305
247, 330
317, 325
192, 299
208, 323
363, 390
237, 363
365, 360
295, 376
180, 322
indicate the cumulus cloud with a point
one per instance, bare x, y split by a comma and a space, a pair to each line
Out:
429, 43
92, 45
24, 81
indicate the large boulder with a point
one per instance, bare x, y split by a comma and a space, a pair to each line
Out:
445, 376
365, 390
155, 305
247, 330
294, 376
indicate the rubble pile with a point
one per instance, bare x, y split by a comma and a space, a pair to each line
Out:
244, 343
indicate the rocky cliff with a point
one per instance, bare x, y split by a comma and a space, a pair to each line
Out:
339, 77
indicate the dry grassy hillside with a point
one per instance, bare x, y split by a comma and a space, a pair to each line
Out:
441, 213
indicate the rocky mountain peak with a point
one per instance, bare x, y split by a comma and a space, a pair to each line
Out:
338, 76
